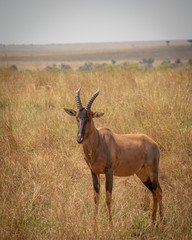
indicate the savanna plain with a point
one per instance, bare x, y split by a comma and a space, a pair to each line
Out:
45, 185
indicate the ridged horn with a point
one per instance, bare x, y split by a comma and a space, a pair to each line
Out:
78, 100
88, 106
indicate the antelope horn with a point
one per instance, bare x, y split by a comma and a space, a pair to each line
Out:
88, 106
78, 100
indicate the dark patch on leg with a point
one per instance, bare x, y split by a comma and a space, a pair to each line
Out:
96, 184
148, 184
109, 180
109, 187
154, 185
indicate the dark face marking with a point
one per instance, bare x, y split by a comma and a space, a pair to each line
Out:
82, 119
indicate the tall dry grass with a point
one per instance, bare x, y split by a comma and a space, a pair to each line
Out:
45, 185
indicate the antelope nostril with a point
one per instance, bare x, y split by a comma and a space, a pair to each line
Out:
79, 139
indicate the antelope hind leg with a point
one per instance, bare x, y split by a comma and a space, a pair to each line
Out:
143, 175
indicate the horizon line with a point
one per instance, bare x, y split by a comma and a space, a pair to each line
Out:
104, 42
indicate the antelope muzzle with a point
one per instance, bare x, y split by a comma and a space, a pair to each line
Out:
81, 131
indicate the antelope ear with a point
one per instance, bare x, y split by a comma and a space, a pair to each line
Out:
97, 115
71, 112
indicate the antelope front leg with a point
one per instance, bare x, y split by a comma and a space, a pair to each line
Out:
109, 187
96, 187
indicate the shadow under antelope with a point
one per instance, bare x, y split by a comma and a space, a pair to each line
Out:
120, 155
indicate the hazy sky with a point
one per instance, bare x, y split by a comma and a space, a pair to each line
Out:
75, 21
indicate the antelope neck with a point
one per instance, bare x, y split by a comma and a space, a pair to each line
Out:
91, 141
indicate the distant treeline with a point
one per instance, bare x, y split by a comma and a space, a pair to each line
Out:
144, 64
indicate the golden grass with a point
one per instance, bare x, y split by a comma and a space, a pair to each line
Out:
45, 185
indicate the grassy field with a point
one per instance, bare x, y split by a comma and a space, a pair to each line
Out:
45, 184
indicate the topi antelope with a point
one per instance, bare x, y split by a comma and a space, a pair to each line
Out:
120, 155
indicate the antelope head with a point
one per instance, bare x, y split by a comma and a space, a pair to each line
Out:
84, 116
